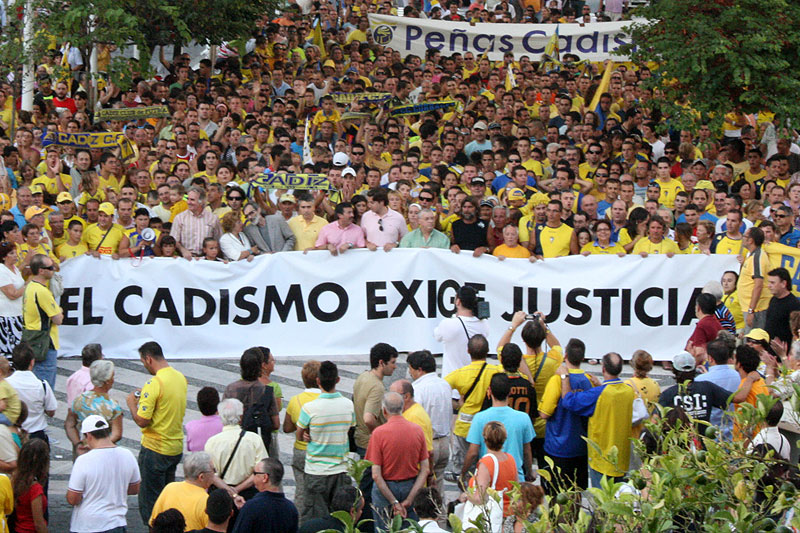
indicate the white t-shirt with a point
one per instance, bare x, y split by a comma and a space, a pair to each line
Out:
102, 476
451, 333
37, 395
7, 277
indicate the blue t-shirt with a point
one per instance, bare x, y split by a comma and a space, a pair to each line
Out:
790, 238
518, 427
564, 432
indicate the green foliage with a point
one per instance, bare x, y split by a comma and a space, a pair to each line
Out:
356, 469
721, 55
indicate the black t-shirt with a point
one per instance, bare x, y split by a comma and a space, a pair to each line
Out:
521, 398
469, 236
321, 524
778, 317
697, 399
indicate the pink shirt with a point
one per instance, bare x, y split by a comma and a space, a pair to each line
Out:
334, 234
200, 430
393, 224
78, 383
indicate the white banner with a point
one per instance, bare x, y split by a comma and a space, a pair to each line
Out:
318, 305
596, 41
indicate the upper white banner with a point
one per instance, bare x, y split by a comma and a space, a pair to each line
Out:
319, 305
596, 42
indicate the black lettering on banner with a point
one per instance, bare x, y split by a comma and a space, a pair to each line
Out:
87, 309
170, 312
294, 298
577, 305
374, 300
408, 300
431, 298
516, 304
241, 302
626, 307
443, 309
189, 317
68, 306
688, 314
555, 306
605, 296
336, 314
224, 306
639, 307
119, 305
672, 306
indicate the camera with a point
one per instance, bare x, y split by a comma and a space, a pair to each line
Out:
482, 311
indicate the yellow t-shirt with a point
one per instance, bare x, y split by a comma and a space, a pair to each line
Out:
668, 192
189, 499
67, 251
94, 240
534, 166
517, 251
321, 117
163, 402
548, 363
461, 380
6, 499
416, 414
13, 403
38, 306
751, 177
554, 242
664, 247
724, 245
50, 184
24, 249
755, 266
731, 301
595, 248
293, 410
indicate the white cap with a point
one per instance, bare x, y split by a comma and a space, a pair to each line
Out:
340, 159
349, 171
684, 362
93, 423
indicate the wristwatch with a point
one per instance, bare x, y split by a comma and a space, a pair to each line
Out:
563, 377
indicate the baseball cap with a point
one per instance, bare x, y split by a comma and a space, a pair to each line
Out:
329, 63
93, 423
286, 197
683, 362
516, 194
477, 180
757, 334
107, 208
5, 201
487, 203
480, 125
63, 197
37, 188
34, 210
340, 159
699, 162
704, 185
494, 126
349, 171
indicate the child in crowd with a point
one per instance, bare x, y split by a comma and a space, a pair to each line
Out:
168, 246
74, 245
211, 250
10, 405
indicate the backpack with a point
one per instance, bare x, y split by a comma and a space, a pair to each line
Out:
257, 417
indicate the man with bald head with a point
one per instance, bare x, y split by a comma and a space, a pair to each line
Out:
399, 455
414, 412
609, 408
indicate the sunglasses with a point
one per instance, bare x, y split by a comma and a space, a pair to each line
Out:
514, 160
51, 267
380, 224
595, 152
357, 153
425, 199
235, 198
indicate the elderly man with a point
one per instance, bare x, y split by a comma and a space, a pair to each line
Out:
269, 233
382, 227
192, 226
399, 455
269, 511
189, 496
235, 452
341, 235
425, 236
414, 412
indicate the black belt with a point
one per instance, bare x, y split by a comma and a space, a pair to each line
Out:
441, 437
401, 480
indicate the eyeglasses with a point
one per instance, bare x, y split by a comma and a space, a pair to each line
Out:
601, 175
235, 198
51, 267
258, 473
515, 160
778, 215
595, 152
670, 151
380, 224
356, 153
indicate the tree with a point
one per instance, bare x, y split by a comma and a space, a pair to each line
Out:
123, 24
717, 56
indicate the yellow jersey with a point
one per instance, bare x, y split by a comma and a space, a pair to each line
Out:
664, 247
163, 402
668, 192
553, 242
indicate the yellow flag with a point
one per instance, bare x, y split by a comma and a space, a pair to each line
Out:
318, 40
786, 257
603, 87
511, 81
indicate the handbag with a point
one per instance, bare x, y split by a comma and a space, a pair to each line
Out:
492, 510
57, 286
38, 339
640, 412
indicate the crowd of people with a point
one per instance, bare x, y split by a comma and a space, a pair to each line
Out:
530, 169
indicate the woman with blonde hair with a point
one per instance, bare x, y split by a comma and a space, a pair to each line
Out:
234, 243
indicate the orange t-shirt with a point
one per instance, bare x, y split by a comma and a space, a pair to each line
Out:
507, 474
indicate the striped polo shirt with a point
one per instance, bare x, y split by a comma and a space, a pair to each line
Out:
328, 418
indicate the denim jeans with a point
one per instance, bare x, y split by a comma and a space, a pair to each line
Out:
596, 477
400, 489
157, 471
47, 369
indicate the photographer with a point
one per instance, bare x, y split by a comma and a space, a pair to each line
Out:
455, 332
